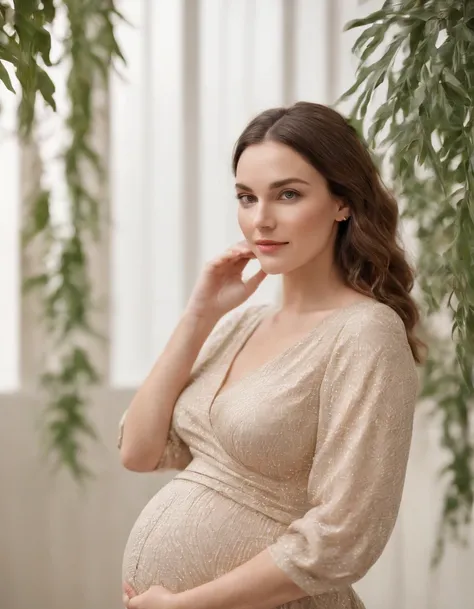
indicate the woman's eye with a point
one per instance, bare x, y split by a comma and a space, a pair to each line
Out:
289, 195
286, 195
246, 199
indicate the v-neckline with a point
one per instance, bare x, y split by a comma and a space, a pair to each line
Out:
250, 331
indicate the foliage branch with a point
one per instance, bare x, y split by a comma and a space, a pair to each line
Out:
418, 58
88, 50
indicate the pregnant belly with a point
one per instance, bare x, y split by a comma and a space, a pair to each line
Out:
188, 535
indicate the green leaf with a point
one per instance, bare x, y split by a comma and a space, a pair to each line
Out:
416, 38
49, 10
373, 17
451, 80
362, 74
418, 97
36, 281
372, 35
43, 42
421, 15
465, 32
5, 78
432, 28
46, 88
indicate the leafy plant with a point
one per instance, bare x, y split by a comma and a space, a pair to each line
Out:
422, 52
88, 50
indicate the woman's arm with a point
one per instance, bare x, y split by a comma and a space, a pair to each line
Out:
148, 418
257, 584
145, 430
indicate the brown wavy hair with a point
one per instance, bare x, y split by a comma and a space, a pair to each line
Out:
367, 249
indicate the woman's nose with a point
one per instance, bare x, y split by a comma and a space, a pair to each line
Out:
264, 218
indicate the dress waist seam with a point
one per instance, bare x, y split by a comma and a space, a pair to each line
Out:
228, 492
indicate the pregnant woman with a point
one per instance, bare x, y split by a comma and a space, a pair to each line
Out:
290, 425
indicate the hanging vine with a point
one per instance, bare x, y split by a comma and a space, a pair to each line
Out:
422, 52
89, 49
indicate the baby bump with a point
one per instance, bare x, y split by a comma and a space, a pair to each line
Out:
189, 534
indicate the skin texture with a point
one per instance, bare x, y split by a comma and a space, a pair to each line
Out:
303, 213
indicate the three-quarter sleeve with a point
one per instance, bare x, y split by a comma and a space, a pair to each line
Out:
366, 407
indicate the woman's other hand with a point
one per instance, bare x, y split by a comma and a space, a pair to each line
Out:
156, 597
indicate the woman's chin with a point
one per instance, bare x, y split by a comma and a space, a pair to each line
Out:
272, 268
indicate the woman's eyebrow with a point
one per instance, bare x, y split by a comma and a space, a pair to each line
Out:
277, 184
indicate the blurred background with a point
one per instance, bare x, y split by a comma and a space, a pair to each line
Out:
196, 72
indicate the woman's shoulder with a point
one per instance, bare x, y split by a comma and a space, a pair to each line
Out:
373, 337
375, 323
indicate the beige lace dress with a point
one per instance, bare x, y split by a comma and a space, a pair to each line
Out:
305, 456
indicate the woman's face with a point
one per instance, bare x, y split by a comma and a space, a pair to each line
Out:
283, 198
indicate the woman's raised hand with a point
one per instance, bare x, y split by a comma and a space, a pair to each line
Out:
220, 287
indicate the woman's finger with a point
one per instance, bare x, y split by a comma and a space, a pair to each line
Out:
231, 259
128, 590
237, 253
253, 282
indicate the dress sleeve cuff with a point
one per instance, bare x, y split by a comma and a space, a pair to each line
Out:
281, 556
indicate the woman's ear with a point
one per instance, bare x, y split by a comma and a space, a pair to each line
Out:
343, 211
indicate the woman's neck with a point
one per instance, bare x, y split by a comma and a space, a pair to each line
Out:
315, 287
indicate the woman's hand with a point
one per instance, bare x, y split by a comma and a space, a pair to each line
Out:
155, 597
220, 287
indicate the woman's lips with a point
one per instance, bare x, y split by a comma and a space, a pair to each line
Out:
268, 248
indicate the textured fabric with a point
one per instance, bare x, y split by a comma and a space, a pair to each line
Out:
305, 456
